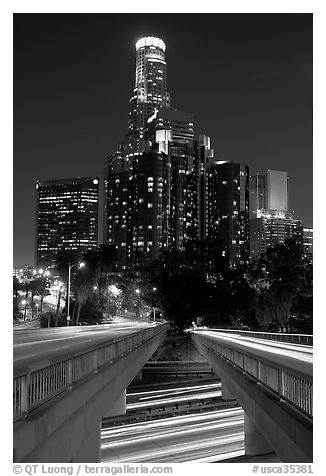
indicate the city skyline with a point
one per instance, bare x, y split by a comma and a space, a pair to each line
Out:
253, 97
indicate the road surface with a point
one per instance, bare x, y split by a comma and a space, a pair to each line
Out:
300, 355
31, 345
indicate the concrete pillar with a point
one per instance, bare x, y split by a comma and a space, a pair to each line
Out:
255, 443
119, 406
90, 449
226, 394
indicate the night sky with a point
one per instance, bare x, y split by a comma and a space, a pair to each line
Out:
246, 77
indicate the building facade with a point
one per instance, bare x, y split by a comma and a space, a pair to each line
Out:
228, 208
66, 217
150, 90
308, 237
270, 221
163, 187
271, 228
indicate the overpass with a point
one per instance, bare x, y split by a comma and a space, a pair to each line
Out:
67, 379
272, 381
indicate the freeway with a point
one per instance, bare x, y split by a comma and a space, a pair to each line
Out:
211, 436
140, 400
32, 345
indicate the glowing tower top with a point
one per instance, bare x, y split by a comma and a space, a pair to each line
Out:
150, 91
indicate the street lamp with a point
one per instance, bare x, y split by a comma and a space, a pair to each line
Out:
137, 291
154, 308
70, 266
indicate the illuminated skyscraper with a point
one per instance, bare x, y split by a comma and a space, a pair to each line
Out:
258, 194
308, 237
227, 216
150, 91
67, 217
277, 190
270, 221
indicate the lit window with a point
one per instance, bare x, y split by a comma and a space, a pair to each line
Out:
149, 205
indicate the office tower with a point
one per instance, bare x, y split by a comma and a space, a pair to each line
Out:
160, 143
268, 192
149, 210
205, 155
180, 125
308, 237
173, 132
257, 194
271, 228
227, 216
67, 217
150, 91
277, 190
270, 221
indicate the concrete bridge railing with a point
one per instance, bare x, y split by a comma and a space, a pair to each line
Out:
304, 339
272, 381
290, 378
42, 381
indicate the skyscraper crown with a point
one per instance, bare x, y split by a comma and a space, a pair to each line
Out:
150, 41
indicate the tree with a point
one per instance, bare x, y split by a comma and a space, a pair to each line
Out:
41, 290
83, 288
63, 260
277, 280
17, 287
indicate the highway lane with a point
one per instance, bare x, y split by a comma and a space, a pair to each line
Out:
31, 345
300, 352
207, 436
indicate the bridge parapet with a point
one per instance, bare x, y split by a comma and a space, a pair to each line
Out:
305, 339
43, 380
284, 373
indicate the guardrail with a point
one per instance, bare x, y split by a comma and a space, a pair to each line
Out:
306, 339
168, 411
37, 384
285, 376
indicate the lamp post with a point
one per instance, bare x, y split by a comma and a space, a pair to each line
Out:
70, 266
137, 291
154, 308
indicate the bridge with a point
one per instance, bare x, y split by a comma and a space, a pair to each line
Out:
66, 380
270, 375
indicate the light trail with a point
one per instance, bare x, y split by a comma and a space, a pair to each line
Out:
166, 401
206, 437
175, 390
301, 352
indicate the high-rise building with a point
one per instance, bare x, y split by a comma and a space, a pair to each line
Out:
271, 228
162, 186
160, 145
150, 91
257, 194
227, 215
67, 217
180, 125
270, 221
308, 237
277, 190
205, 155
150, 209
